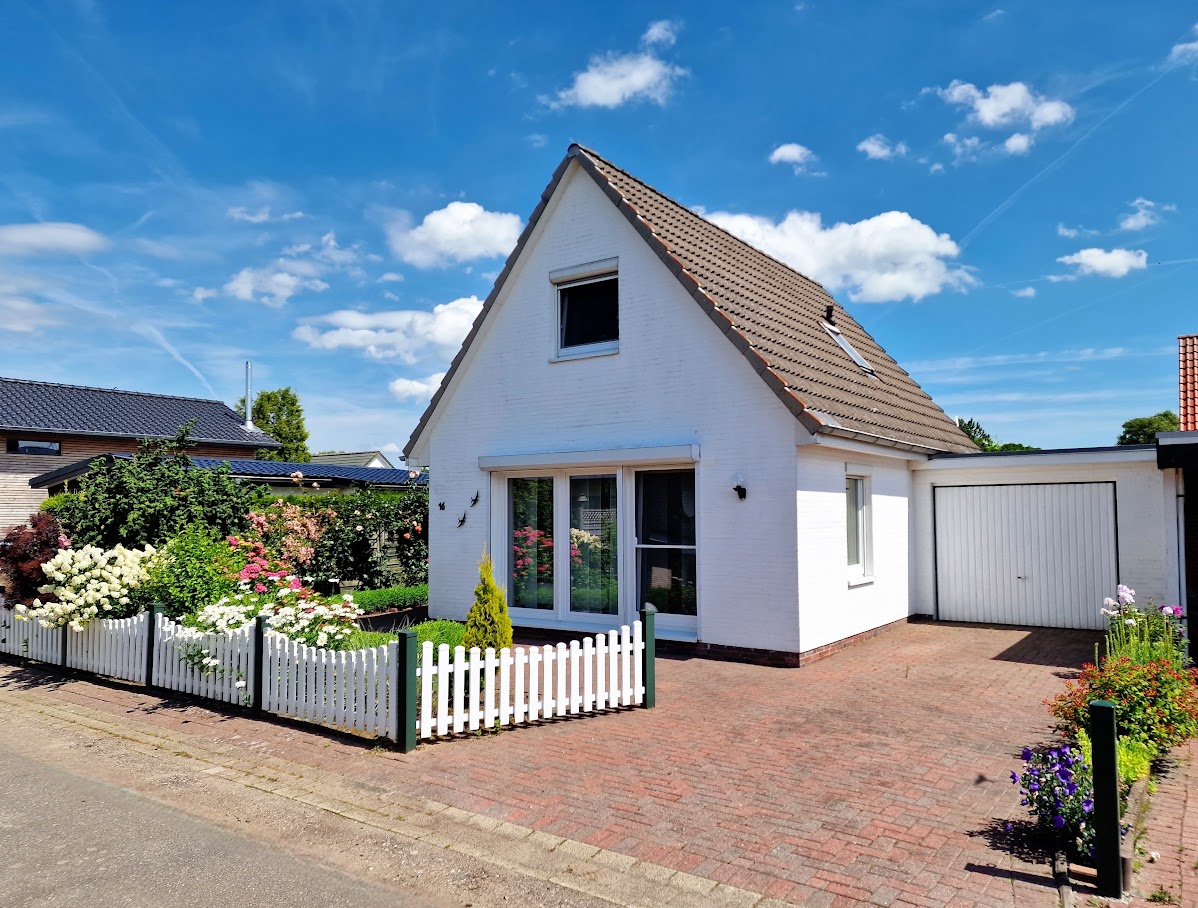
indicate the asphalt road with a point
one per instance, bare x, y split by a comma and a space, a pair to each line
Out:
72, 842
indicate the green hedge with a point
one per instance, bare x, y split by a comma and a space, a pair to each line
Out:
438, 632
398, 597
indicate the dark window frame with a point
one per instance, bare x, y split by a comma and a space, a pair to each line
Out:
601, 345
13, 446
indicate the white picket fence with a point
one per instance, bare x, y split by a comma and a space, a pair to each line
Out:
456, 692
515, 686
115, 647
347, 689
230, 680
29, 639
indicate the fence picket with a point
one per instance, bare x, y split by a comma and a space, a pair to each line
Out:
489, 664
562, 703
519, 669
426, 689
613, 669
638, 667
443, 689
534, 681
600, 671
625, 666
505, 686
475, 714
459, 689
575, 699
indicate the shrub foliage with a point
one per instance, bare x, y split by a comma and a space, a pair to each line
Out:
488, 624
25, 550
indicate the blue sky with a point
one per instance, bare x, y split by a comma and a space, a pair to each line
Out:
1003, 194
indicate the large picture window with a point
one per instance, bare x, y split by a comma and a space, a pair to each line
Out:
594, 545
531, 542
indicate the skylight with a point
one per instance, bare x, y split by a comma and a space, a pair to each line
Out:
848, 348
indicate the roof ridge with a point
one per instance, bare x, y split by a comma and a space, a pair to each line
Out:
732, 236
54, 384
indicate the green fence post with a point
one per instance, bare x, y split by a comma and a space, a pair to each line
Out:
649, 671
1107, 834
405, 690
151, 639
259, 647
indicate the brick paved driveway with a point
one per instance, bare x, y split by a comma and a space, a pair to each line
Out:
868, 777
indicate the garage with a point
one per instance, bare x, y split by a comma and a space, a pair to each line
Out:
1040, 554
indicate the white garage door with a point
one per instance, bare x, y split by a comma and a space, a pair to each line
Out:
1042, 555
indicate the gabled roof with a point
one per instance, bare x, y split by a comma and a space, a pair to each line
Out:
353, 458
261, 469
40, 406
1187, 381
771, 313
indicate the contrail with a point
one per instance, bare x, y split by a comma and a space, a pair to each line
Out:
1010, 200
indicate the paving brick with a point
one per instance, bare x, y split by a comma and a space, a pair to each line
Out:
868, 776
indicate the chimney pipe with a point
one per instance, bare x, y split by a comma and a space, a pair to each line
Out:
249, 399
830, 315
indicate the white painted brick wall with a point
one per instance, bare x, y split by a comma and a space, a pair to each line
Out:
676, 380
1147, 518
831, 609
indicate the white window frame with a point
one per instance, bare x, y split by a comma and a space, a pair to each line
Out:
863, 571
565, 278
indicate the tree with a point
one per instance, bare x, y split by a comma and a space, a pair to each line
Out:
280, 414
1142, 430
152, 496
982, 439
488, 623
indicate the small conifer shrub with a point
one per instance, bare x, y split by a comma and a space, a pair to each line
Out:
488, 624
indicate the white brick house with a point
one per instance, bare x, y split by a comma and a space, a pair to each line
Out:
713, 433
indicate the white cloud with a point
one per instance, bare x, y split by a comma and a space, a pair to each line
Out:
993, 15
203, 293
261, 215
798, 156
891, 256
49, 238
22, 315
459, 232
1082, 355
391, 448
966, 149
663, 32
406, 334
1185, 52
613, 79
273, 285
408, 390
390, 277
1024, 292
1144, 213
1106, 263
879, 148
1018, 143
1068, 232
1001, 106
537, 140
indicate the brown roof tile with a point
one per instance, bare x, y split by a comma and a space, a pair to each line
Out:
1187, 381
773, 314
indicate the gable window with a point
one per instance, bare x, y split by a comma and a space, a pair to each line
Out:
589, 315
848, 348
29, 446
857, 524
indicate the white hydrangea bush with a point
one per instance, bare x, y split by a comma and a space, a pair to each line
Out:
325, 623
89, 583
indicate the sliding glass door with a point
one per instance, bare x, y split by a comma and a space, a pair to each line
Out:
594, 546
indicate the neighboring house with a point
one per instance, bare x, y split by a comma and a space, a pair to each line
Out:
277, 476
373, 459
648, 409
44, 425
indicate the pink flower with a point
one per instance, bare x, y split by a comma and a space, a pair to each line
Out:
63, 541
259, 588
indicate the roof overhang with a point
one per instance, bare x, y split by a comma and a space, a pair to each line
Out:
1051, 457
1177, 450
249, 444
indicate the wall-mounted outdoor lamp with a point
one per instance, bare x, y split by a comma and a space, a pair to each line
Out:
738, 486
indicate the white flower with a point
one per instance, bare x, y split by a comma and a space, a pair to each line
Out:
239, 684
1130, 621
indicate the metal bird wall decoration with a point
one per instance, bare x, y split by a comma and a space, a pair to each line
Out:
474, 500
462, 519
